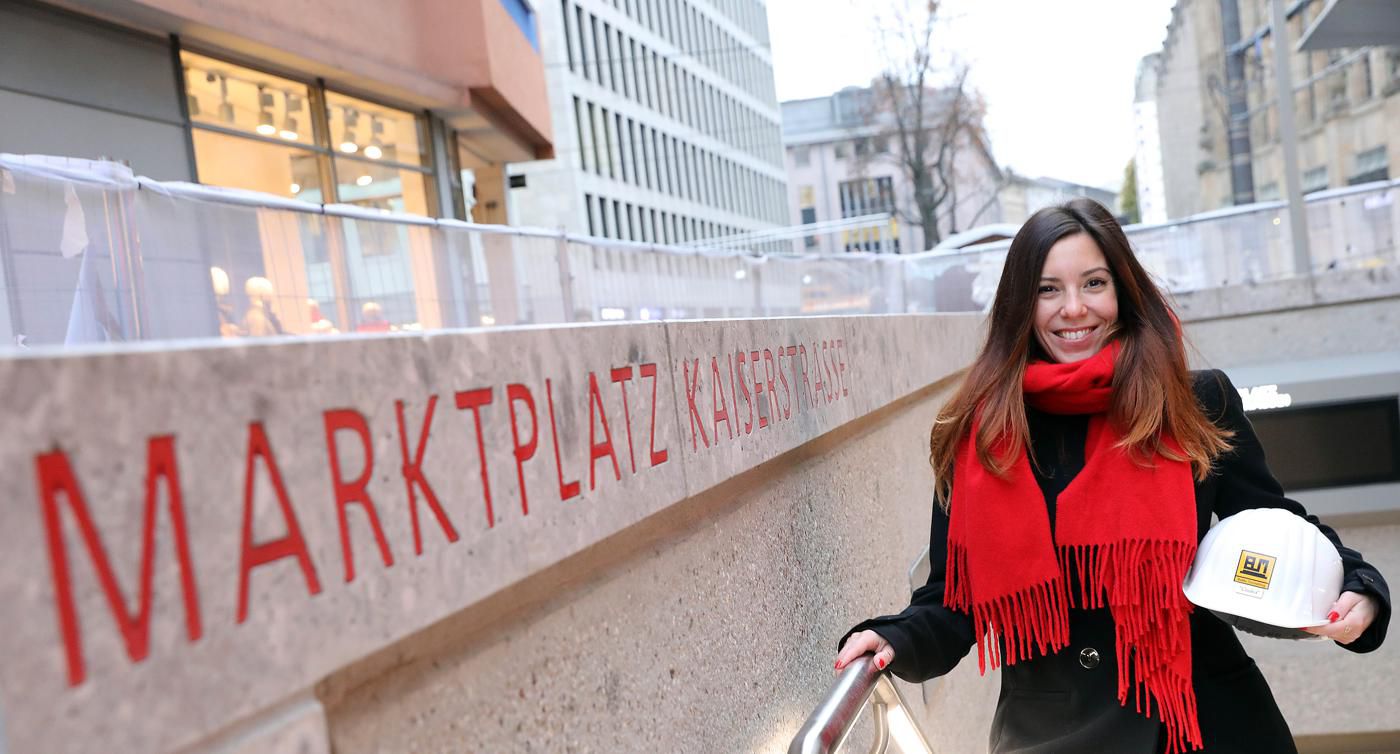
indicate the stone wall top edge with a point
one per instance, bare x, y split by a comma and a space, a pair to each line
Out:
1330, 288
139, 348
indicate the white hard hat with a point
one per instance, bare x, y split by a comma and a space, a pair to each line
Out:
1267, 572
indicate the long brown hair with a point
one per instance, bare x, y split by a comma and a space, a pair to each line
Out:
1152, 395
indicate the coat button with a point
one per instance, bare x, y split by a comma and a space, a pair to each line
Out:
1089, 658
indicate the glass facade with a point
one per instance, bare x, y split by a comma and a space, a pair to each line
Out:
257, 131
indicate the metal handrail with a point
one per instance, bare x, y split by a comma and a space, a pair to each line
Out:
831, 723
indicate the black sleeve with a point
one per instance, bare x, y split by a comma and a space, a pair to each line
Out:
928, 638
1246, 482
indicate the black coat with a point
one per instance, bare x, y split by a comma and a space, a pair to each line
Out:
1067, 701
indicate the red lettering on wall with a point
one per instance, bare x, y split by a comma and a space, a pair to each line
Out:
719, 401
841, 372
517, 392
748, 399
55, 476
825, 370
474, 400
774, 409
786, 403
568, 489
413, 474
289, 546
819, 388
621, 376
657, 457
695, 421
792, 367
828, 353
356, 491
733, 394
757, 389
597, 450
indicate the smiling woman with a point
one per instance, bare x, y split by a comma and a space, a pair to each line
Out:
1078, 466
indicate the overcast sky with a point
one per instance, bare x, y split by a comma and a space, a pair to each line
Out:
1057, 74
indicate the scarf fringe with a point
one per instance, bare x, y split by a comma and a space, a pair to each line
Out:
1037, 616
1139, 582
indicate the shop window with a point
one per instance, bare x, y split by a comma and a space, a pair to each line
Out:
253, 130
381, 186
366, 130
236, 162
234, 98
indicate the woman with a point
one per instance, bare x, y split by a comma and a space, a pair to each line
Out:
1077, 468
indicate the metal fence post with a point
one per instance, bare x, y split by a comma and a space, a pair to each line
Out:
566, 278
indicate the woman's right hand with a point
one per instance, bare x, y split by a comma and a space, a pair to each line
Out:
866, 642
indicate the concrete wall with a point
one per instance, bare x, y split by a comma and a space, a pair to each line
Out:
709, 630
231, 534
1342, 312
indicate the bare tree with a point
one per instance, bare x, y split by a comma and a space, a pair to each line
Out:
933, 116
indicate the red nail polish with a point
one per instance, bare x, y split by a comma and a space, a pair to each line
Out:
880, 663
1333, 616
838, 665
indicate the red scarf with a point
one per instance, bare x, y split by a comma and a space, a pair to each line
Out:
1129, 530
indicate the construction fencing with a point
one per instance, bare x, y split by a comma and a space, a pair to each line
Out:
90, 253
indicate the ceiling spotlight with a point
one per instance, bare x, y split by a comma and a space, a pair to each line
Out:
265, 126
375, 150
296, 188
291, 103
225, 107
364, 180
349, 144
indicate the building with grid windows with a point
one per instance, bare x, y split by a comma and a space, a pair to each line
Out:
1220, 129
667, 120
842, 158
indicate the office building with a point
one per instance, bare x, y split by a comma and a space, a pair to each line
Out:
667, 122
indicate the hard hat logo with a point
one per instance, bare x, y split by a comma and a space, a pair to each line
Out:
1266, 571
1254, 569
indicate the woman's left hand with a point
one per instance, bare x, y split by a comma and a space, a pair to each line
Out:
1354, 613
